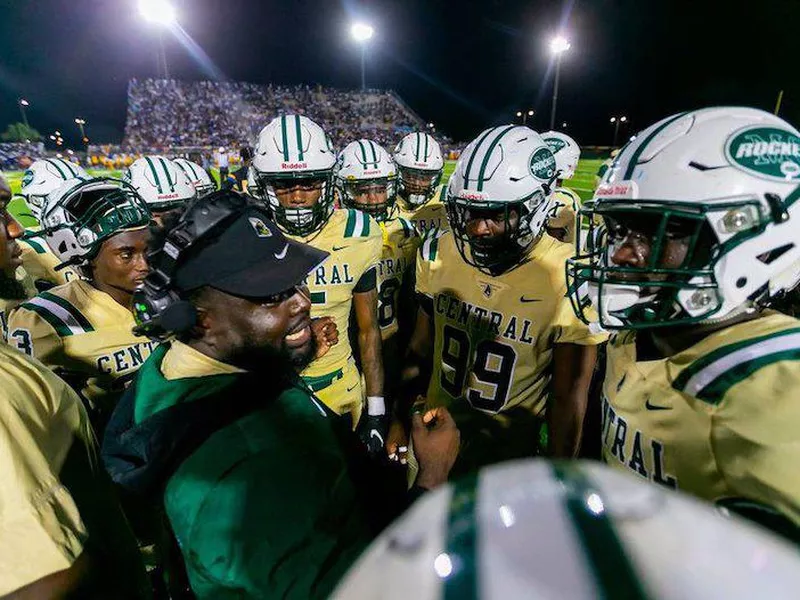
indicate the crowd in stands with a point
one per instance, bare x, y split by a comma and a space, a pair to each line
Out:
12, 152
170, 113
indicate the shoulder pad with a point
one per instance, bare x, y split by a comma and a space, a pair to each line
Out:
430, 244
61, 314
359, 224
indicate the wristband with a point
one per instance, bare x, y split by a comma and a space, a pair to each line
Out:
376, 406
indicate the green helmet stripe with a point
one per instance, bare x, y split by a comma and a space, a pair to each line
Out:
363, 152
170, 183
70, 168
374, 154
155, 174
488, 155
69, 308
461, 541
416, 147
285, 139
54, 162
635, 158
195, 176
299, 134
604, 552
474, 154
425, 155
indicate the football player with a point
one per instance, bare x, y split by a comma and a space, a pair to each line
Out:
15, 284
201, 180
366, 180
419, 163
496, 339
700, 393
40, 180
562, 223
163, 185
293, 170
82, 329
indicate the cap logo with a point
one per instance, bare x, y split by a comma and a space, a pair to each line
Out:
282, 254
767, 152
555, 144
259, 227
27, 179
543, 164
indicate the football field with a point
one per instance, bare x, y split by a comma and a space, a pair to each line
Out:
582, 183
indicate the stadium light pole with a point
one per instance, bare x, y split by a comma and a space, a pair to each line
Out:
558, 45
80, 123
362, 33
23, 104
616, 121
162, 14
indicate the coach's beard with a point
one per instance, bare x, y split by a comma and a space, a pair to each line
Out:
10, 288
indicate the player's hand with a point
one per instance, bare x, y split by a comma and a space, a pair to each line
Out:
397, 442
373, 431
326, 334
436, 441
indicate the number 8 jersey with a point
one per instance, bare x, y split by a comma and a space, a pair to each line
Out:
494, 335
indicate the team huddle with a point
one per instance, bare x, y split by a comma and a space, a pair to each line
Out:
498, 300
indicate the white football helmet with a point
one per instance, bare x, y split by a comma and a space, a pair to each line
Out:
566, 151
45, 176
577, 530
162, 184
420, 164
507, 168
366, 178
81, 214
294, 151
197, 176
724, 183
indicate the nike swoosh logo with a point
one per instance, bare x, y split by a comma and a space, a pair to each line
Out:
282, 254
352, 388
336, 248
524, 299
374, 433
649, 406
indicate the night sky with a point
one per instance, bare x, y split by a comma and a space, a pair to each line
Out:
463, 65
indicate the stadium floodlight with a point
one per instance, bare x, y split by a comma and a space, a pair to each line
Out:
23, 104
52, 137
558, 46
362, 33
564, 125
616, 122
519, 114
160, 12
530, 113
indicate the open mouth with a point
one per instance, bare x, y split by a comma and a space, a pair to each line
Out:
300, 335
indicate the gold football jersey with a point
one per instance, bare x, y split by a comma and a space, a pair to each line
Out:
720, 420
354, 240
40, 263
85, 336
431, 215
565, 205
400, 244
494, 335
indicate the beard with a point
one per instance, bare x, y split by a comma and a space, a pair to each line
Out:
300, 358
10, 288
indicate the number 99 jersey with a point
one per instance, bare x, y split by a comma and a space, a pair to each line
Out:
494, 335
400, 244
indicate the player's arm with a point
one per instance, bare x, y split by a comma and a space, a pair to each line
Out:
754, 437
573, 366
417, 365
374, 425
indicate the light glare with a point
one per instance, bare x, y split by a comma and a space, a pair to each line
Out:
559, 44
443, 565
361, 32
157, 11
507, 516
595, 504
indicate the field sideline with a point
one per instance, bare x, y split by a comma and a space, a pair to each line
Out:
582, 183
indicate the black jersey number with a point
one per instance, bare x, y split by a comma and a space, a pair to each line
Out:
493, 367
386, 297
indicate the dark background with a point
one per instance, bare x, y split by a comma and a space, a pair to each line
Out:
462, 65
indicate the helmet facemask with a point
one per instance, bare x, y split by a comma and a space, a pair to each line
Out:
678, 285
352, 190
417, 187
497, 254
300, 221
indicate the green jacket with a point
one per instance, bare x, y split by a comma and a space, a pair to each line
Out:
274, 504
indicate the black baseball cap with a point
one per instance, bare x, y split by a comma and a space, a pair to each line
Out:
250, 257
